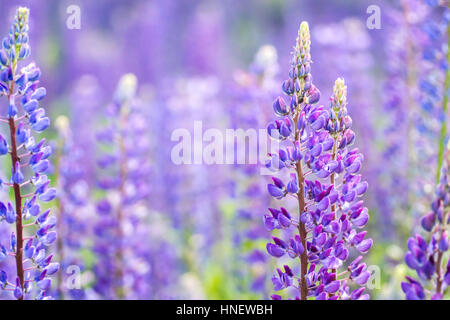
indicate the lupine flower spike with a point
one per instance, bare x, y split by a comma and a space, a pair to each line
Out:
24, 114
71, 204
122, 239
331, 213
252, 89
428, 258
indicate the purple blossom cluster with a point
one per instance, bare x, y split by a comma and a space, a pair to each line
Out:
30, 243
399, 106
427, 258
122, 237
415, 119
137, 224
414, 91
251, 89
331, 214
434, 81
72, 206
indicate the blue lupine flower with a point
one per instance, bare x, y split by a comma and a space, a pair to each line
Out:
29, 256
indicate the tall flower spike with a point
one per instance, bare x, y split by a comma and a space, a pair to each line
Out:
71, 204
330, 210
428, 258
122, 268
252, 88
30, 252
434, 81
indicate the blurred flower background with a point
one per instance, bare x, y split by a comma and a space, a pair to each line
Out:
136, 225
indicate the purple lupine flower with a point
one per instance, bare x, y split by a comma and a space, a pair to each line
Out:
72, 205
414, 93
434, 83
120, 270
404, 146
331, 212
251, 89
428, 258
28, 245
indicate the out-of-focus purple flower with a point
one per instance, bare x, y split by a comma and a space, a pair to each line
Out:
433, 82
427, 258
128, 252
72, 205
250, 90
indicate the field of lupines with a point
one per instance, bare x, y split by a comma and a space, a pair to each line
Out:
257, 149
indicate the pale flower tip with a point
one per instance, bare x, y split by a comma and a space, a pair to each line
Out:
339, 83
22, 14
23, 11
303, 31
340, 89
304, 27
127, 87
266, 57
62, 123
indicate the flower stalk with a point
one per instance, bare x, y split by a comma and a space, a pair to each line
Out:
443, 131
23, 86
327, 227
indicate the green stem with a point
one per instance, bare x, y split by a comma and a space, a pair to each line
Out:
443, 133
